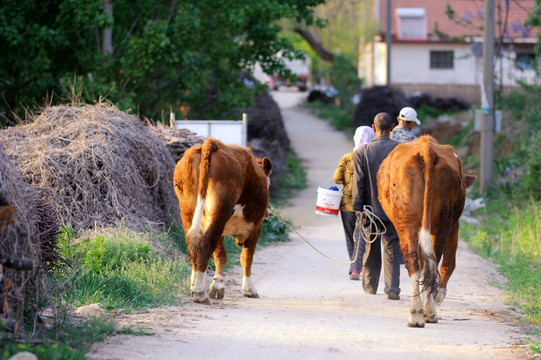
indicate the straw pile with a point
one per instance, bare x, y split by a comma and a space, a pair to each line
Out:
102, 167
30, 235
176, 140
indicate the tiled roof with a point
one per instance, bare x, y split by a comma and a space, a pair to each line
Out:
468, 17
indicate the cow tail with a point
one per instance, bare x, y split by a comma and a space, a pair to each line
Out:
430, 269
207, 149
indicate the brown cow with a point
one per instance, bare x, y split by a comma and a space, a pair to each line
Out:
222, 190
422, 190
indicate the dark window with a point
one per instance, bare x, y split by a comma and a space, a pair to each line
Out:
525, 61
441, 60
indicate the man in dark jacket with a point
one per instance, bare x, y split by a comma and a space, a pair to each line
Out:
367, 160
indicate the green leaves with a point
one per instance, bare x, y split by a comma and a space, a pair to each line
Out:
165, 54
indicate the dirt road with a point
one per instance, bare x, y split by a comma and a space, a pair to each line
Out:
309, 309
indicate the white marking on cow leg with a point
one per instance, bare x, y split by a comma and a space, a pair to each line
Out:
416, 318
248, 288
440, 295
217, 288
199, 294
429, 308
192, 280
196, 219
426, 243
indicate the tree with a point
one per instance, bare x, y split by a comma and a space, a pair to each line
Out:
164, 53
534, 20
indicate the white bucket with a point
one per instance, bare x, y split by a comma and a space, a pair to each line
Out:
328, 201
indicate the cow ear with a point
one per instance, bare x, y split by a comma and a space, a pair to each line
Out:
266, 164
469, 180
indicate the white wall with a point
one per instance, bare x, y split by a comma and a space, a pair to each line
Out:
411, 65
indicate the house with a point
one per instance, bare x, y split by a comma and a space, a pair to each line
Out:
437, 46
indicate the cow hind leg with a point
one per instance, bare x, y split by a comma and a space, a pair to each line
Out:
440, 295
205, 248
429, 307
199, 281
448, 264
246, 259
217, 287
416, 317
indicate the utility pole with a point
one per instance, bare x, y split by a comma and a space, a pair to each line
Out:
487, 98
388, 41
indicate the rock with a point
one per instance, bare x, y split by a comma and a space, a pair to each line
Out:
89, 311
25, 355
47, 317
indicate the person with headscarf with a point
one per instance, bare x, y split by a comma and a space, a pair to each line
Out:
366, 162
344, 175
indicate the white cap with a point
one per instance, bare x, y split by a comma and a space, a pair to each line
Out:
409, 114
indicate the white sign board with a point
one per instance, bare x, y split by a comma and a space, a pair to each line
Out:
227, 131
478, 120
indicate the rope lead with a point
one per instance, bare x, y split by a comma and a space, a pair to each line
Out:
369, 233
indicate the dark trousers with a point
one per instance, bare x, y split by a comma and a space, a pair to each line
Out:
392, 256
348, 221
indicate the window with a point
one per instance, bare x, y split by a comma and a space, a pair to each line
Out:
525, 61
442, 59
411, 23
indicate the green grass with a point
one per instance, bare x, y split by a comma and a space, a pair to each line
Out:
121, 269
338, 117
510, 237
66, 339
293, 180
47, 351
510, 230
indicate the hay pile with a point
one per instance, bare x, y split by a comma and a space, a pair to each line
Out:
101, 166
176, 140
25, 237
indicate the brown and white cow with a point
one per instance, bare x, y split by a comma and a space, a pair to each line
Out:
422, 190
222, 190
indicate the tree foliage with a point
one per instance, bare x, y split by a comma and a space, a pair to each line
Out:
166, 53
534, 20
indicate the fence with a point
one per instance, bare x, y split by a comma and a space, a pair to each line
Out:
227, 131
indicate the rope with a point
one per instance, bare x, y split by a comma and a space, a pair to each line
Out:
366, 226
366, 214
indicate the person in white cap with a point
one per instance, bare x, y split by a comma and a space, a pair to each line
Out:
406, 121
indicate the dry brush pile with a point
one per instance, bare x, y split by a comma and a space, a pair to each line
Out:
82, 167
101, 166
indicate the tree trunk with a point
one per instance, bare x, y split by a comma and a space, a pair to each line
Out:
323, 53
107, 38
318, 48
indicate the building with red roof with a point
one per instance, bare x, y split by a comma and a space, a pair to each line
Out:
437, 46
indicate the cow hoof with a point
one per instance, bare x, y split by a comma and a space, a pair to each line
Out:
431, 319
416, 320
251, 294
200, 298
440, 295
216, 292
